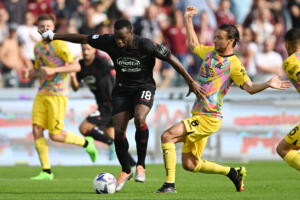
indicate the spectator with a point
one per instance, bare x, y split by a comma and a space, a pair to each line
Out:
268, 62
28, 34
132, 9
204, 31
262, 26
240, 9
11, 56
88, 26
60, 8
101, 7
38, 7
3, 24
222, 13
294, 7
16, 10
147, 26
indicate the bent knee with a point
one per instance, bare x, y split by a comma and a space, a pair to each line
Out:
188, 166
166, 137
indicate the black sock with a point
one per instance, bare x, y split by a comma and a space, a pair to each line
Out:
85, 144
99, 135
232, 174
131, 160
121, 146
169, 184
47, 171
141, 138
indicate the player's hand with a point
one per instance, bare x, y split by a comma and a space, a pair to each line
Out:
25, 73
48, 35
48, 71
276, 83
190, 12
197, 89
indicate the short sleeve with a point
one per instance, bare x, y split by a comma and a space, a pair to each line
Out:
99, 41
292, 69
238, 73
201, 50
158, 50
64, 52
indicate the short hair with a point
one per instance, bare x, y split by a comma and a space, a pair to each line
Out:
293, 35
232, 32
121, 23
46, 17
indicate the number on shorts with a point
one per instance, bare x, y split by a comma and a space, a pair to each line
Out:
292, 132
146, 95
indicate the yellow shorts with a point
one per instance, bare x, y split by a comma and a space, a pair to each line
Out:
199, 128
49, 112
293, 137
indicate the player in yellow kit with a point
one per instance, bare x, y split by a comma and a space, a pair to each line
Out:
289, 146
53, 63
220, 68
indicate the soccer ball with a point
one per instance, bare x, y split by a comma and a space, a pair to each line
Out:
104, 183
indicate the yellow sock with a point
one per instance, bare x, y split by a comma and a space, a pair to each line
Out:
71, 138
293, 159
209, 167
169, 153
42, 149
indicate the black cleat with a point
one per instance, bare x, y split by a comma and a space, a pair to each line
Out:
167, 188
238, 181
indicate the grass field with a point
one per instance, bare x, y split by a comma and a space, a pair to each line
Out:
264, 180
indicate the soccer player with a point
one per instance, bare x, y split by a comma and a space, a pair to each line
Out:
219, 70
53, 63
98, 73
133, 94
289, 146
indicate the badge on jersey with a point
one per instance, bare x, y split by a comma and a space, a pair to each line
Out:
96, 36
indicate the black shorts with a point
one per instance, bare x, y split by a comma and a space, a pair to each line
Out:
125, 98
100, 119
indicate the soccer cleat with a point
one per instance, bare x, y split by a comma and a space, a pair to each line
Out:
112, 152
140, 175
91, 149
167, 188
43, 176
122, 180
239, 180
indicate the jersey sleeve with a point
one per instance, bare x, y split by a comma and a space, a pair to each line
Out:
238, 73
292, 69
158, 50
99, 41
64, 52
201, 50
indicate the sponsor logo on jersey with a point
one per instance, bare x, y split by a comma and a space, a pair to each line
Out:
91, 82
162, 49
129, 64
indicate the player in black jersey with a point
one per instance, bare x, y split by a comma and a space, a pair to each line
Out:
133, 94
98, 74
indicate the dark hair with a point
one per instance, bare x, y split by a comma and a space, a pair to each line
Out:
232, 32
121, 23
292, 35
46, 17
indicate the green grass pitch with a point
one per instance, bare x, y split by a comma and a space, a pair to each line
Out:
264, 180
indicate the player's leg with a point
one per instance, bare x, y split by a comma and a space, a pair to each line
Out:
141, 138
120, 121
199, 129
175, 134
289, 146
56, 114
39, 115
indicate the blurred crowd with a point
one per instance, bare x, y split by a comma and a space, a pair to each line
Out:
262, 24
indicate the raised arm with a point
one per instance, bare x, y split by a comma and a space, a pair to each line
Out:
70, 37
192, 38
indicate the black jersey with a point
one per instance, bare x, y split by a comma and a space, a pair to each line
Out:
134, 65
99, 80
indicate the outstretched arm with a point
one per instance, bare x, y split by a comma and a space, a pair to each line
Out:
193, 85
70, 37
274, 82
192, 38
